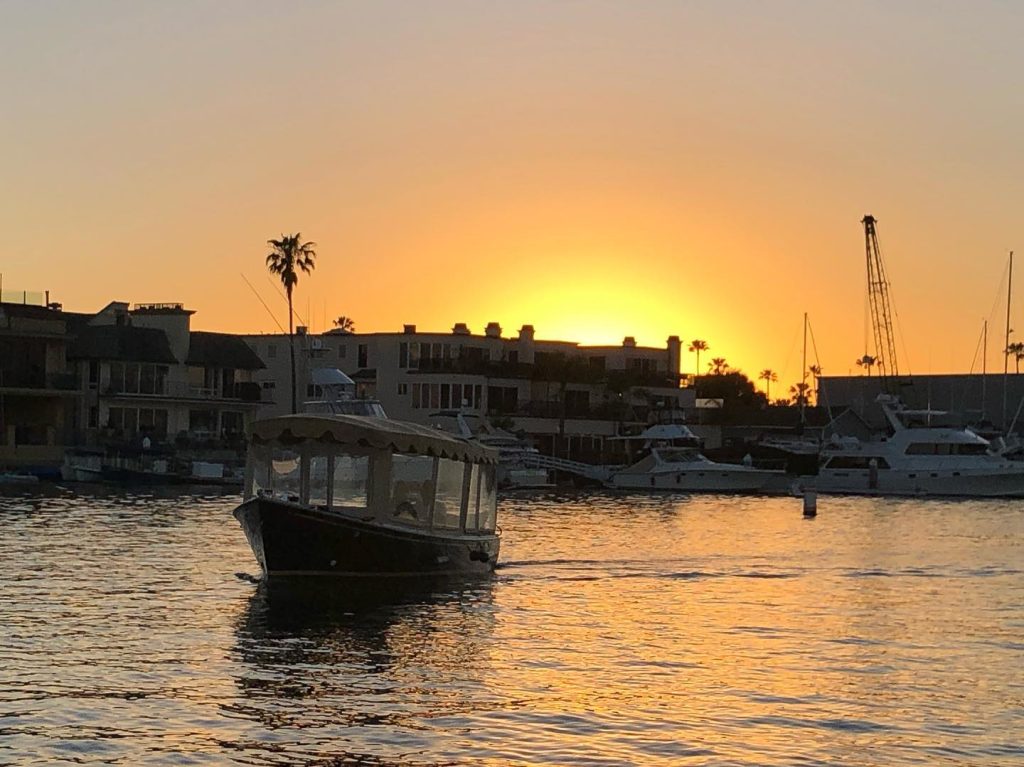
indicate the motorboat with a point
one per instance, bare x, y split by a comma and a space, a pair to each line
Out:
335, 393
671, 460
917, 458
517, 459
346, 495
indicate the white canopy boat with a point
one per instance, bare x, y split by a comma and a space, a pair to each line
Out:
355, 495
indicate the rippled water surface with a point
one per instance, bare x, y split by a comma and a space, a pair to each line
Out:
619, 631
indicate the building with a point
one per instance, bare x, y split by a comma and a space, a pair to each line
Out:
143, 372
968, 399
545, 389
38, 395
116, 378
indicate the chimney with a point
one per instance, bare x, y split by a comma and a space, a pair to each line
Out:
460, 329
493, 330
629, 342
301, 330
526, 333
408, 329
674, 354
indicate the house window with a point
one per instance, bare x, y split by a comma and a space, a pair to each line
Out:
363, 355
403, 389
94, 417
403, 355
416, 395
94, 374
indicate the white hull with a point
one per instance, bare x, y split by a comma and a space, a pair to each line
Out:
978, 483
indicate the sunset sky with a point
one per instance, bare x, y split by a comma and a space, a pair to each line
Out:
596, 169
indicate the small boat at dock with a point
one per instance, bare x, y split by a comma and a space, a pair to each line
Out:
343, 495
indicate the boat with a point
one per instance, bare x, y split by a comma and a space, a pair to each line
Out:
672, 460
517, 459
915, 458
335, 393
17, 478
345, 495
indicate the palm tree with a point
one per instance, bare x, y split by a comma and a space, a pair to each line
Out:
345, 324
867, 362
768, 375
1017, 350
288, 256
800, 392
697, 345
718, 366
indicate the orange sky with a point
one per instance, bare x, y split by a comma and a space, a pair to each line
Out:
596, 169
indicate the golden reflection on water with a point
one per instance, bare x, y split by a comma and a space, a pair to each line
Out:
619, 630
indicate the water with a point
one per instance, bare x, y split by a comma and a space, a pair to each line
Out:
620, 631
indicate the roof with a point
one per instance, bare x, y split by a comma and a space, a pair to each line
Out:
355, 431
121, 342
221, 350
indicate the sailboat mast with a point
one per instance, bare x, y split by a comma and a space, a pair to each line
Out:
1006, 345
984, 365
803, 375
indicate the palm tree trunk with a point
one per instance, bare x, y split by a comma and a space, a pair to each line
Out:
291, 350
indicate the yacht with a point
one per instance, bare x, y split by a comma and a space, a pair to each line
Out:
335, 394
671, 460
345, 495
916, 458
517, 459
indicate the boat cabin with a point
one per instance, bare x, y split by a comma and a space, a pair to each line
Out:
390, 473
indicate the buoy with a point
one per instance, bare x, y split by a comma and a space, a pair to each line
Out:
810, 502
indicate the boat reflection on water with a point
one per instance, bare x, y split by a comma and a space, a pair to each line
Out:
332, 661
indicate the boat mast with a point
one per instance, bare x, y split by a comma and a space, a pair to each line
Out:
1006, 344
803, 377
984, 364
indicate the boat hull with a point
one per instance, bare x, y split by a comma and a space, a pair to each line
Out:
289, 539
946, 483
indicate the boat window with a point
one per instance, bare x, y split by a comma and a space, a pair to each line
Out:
473, 504
488, 498
318, 480
862, 462
412, 489
972, 449
350, 480
448, 498
285, 477
921, 448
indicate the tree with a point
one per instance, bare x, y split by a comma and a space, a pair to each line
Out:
1017, 350
867, 362
697, 345
718, 366
288, 256
768, 375
345, 324
801, 393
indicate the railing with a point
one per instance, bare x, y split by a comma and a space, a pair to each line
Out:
587, 470
246, 391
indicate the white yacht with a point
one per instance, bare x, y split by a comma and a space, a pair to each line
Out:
516, 470
335, 394
916, 459
672, 461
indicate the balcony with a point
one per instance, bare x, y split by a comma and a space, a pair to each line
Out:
242, 391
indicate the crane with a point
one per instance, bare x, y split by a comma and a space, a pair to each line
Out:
881, 310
